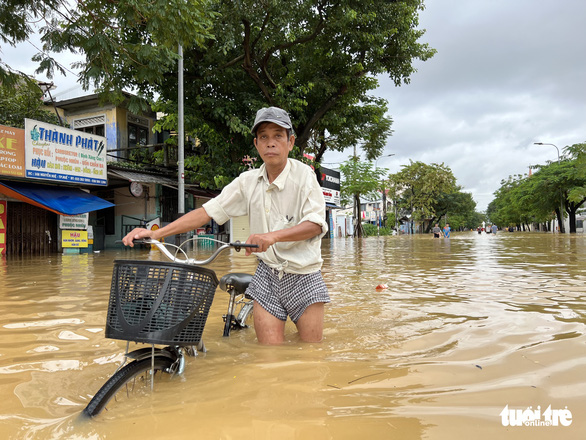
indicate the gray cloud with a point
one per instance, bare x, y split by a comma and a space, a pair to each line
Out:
507, 74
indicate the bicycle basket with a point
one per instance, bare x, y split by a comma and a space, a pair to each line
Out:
159, 302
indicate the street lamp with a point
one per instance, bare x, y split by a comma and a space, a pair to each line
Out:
380, 157
384, 191
561, 194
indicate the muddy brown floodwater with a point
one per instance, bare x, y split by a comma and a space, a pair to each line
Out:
471, 332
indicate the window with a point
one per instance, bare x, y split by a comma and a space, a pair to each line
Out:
137, 135
98, 130
94, 125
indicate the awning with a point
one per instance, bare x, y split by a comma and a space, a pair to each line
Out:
134, 176
333, 206
57, 199
205, 193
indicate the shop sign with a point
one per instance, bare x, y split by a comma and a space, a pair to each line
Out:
74, 221
11, 151
3, 223
74, 239
329, 181
331, 196
60, 154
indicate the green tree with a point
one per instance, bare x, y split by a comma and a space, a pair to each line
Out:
21, 100
359, 179
126, 44
459, 205
17, 19
524, 199
318, 60
122, 44
420, 187
576, 195
471, 220
505, 209
564, 179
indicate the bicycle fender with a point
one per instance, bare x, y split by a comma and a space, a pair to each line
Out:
144, 353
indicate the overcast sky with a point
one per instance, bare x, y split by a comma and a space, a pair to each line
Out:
507, 73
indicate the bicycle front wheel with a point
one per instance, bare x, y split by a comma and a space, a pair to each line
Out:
131, 380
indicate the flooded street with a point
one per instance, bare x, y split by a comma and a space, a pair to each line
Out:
468, 326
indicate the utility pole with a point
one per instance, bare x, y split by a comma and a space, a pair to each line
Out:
181, 140
180, 145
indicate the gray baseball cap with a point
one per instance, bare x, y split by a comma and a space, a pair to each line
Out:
272, 114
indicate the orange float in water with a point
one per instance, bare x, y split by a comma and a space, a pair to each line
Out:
382, 287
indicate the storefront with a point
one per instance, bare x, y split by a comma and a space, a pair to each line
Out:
45, 171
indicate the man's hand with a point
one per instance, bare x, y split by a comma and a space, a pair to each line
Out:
136, 234
263, 241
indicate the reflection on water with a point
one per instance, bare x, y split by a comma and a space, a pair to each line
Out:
468, 325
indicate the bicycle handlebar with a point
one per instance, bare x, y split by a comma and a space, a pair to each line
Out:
163, 248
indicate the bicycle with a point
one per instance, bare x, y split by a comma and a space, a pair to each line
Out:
165, 303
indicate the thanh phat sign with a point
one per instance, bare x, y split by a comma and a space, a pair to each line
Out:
61, 154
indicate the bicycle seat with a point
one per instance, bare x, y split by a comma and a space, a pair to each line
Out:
238, 281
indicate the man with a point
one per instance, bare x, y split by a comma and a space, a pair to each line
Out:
447, 230
436, 231
286, 212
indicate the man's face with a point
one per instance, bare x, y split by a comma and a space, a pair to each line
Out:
272, 144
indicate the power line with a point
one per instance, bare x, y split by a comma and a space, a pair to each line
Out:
56, 62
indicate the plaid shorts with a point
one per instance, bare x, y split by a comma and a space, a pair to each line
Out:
290, 295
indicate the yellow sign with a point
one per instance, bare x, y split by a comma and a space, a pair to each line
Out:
74, 239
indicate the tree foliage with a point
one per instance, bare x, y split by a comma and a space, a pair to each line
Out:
123, 44
423, 189
17, 19
360, 179
21, 101
537, 198
459, 206
126, 45
522, 200
318, 60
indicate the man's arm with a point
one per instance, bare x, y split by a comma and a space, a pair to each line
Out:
188, 222
303, 231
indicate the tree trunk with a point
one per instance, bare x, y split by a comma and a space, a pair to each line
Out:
358, 231
432, 222
572, 208
559, 214
572, 217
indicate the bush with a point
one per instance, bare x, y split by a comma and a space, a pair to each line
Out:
372, 230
